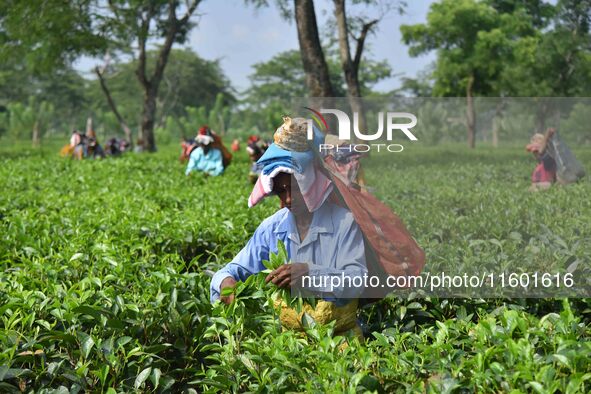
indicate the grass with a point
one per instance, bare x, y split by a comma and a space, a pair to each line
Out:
103, 285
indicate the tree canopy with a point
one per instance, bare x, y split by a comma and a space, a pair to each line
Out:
493, 48
188, 81
504, 48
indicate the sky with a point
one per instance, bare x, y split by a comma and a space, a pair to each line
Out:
240, 36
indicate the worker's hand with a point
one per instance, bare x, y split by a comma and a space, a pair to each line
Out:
287, 274
228, 282
550, 131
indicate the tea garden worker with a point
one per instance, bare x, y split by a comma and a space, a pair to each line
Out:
75, 139
255, 149
204, 157
235, 145
544, 175
218, 144
187, 146
321, 238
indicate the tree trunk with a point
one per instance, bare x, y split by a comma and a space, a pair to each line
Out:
89, 127
470, 114
36, 134
541, 113
151, 91
349, 69
497, 121
495, 133
148, 116
349, 65
151, 85
315, 67
113, 107
222, 130
344, 49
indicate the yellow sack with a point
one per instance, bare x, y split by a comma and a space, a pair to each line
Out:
325, 312
67, 150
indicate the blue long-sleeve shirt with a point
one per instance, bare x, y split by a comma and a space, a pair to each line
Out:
333, 247
210, 163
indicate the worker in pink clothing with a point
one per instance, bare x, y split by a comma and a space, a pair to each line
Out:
544, 174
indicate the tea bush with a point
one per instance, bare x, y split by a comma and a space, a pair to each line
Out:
104, 285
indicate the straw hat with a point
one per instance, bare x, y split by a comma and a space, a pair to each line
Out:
292, 134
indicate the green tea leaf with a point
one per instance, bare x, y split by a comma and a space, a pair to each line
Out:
86, 343
141, 377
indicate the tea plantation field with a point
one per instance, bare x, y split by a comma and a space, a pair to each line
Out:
103, 285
